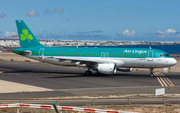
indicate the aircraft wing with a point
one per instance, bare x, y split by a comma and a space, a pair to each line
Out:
89, 61
79, 60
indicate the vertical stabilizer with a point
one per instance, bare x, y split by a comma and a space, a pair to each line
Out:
26, 37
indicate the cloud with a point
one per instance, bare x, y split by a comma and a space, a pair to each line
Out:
2, 15
48, 12
32, 13
168, 33
14, 37
95, 31
127, 33
9, 33
59, 10
44, 35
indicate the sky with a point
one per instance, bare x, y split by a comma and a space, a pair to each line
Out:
120, 20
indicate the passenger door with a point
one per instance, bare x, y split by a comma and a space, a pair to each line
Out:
41, 53
150, 55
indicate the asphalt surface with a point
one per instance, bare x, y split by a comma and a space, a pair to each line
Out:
70, 81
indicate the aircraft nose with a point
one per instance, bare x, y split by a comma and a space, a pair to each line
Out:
173, 61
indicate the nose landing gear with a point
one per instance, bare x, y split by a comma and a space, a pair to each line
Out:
151, 72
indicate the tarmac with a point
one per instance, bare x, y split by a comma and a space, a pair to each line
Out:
41, 80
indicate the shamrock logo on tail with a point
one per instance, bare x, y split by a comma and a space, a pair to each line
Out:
25, 35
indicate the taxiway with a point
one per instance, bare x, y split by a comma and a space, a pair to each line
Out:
40, 80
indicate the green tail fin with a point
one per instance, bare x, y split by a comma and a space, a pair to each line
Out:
26, 37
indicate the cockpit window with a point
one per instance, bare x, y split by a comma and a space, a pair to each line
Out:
165, 55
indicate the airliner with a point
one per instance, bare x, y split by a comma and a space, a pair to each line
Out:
102, 60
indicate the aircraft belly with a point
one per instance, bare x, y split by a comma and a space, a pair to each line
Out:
141, 63
132, 62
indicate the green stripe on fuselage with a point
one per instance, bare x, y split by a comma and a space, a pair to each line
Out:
95, 52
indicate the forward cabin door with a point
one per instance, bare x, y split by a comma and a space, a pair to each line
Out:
150, 55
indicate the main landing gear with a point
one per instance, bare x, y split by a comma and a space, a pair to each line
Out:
151, 72
88, 72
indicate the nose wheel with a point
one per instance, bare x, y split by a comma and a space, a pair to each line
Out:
151, 72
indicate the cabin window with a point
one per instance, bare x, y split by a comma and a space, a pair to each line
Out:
161, 55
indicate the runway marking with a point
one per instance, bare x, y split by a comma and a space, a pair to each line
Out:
1, 71
159, 80
170, 83
163, 80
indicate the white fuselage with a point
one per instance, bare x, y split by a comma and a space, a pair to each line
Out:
120, 62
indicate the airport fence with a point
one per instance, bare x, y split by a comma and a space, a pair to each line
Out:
61, 108
97, 101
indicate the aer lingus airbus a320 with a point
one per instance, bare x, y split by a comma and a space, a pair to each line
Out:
103, 60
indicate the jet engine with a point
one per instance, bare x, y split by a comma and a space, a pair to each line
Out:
107, 68
124, 69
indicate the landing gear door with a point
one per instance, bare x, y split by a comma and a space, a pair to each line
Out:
150, 55
41, 53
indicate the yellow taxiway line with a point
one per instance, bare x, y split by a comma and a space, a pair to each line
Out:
163, 80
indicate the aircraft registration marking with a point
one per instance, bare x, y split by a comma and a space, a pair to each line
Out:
163, 80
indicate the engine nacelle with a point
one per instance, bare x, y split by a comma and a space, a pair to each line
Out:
107, 68
124, 69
